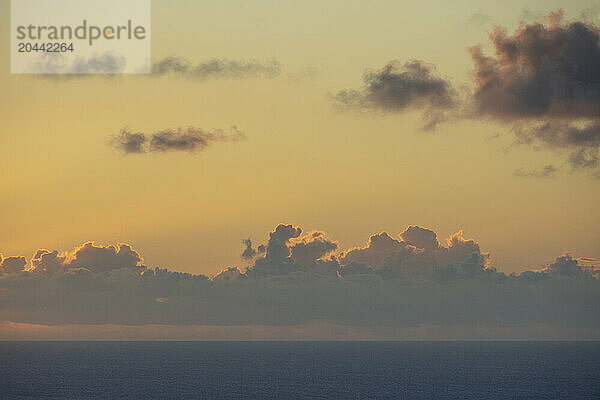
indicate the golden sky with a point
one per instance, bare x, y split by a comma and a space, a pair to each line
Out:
304, 161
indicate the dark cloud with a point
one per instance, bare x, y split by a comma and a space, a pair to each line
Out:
104, 258
549, 171
88, 257
216, 68
250, 252
129, 142
408, 280
545, 80
541, 71
565, 265
398, 87
420, 237
188, 139
312, 247
48, 262
278, 247
12, 265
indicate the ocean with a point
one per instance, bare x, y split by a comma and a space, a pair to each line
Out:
299, 370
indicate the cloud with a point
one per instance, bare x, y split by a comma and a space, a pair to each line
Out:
110, 64
188, 139
57, 66
89, 257
584, 158
129, 142
312, 247
48, 262
250, 252
560, 135
398, 87
410, 280
549, 171
377, 249
216, 68
420, 237
104, 258
12, 265
583, 140
545, 80
541, 71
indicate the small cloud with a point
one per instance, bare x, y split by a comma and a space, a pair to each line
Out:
250, 252
548, 171
188, 139
216, 68
399, 87
56, 65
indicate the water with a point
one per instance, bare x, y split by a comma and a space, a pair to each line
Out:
290, 370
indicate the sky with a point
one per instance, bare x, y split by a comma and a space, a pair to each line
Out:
304, 125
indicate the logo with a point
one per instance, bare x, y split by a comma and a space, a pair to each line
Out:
80, 36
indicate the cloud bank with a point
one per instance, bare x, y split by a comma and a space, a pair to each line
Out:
188, 139
408, 281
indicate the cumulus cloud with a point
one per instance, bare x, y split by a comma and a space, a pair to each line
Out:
406, 280
312, 247
420, 237
89, 257
416, 253
398, 87
188, 139
545, 80
541, 70
12, 265
377, 249
104, 258
48, 262
216, 68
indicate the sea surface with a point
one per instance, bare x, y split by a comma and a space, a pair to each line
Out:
299, 370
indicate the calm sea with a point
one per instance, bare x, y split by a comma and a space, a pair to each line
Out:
300, 370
